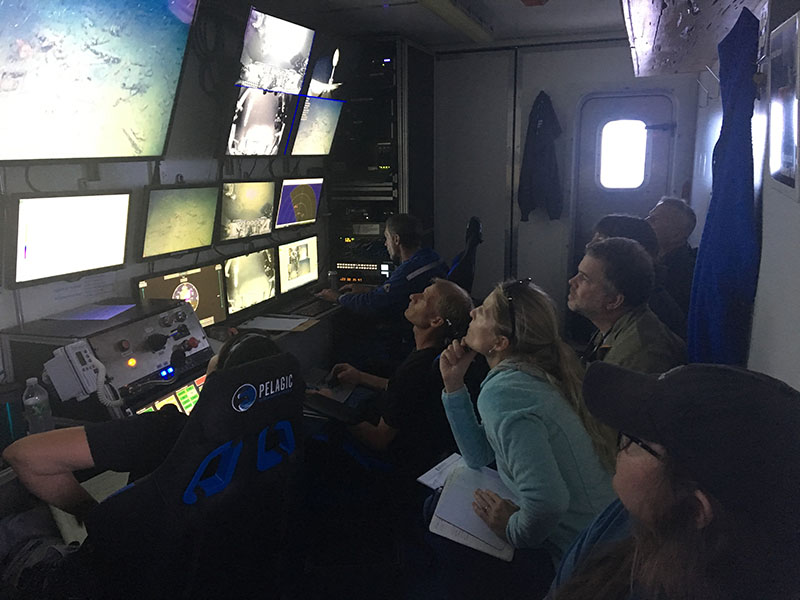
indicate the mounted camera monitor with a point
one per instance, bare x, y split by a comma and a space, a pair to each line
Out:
250, 279
299, 202
89, 79
275, 54
298, 263
179, 219
247, 209
59, 235
316, 126
260, 122
201, 287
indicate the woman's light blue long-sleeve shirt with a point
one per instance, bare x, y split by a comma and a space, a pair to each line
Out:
542, 451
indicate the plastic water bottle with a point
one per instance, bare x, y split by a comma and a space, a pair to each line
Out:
37, 407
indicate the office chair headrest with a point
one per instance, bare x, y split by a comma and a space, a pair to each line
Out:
241, 398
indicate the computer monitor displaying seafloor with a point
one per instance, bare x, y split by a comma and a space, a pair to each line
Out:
247, 209
179, 219
89, 79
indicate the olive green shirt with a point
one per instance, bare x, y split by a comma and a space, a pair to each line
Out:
641, 342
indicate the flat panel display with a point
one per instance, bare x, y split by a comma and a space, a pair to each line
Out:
275, 53
317, 126
61, 235
84, 79
298, 263
299, 202
250, 279
247, 209
260, 121
201, 287
179, 219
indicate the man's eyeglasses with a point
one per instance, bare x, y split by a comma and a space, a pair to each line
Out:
507, 291
624, 441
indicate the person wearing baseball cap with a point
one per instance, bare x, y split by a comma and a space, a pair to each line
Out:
708, 479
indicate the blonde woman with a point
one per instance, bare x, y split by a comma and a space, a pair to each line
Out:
548, 450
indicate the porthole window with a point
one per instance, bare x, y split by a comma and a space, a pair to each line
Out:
623, 150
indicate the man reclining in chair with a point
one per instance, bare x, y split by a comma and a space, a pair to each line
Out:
45, 464
409, 425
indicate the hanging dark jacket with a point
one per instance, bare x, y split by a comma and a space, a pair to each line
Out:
538, 178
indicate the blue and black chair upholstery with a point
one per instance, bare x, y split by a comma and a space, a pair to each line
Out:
214, 519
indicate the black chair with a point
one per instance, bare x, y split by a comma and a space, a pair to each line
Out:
462, 272
215, 516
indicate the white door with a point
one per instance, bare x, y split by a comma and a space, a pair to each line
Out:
624, 158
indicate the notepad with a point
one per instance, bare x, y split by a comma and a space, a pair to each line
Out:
455, 519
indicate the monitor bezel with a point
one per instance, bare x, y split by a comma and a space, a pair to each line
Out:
246, 313
139, 278
12, 236
301, 223
252, 238
143, 234
296, 291
135, 158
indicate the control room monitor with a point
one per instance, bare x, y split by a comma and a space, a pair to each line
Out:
89, 79
299, 202
201, 287
298, 263
179, 219
317, 125
62, 235
247, 209
250, 279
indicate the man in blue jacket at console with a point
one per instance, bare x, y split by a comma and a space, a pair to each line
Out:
383, 306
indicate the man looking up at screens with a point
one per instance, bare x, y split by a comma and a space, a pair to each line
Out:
416, 267
673, 221
611, 289
412, 427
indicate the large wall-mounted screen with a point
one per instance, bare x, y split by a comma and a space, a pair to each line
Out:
274, 61
62, 235
201, 287
299, 202
179, 219
247, 209
275, 53
298, 263
89, 79
250, 279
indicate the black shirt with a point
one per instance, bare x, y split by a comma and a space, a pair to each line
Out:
413, 405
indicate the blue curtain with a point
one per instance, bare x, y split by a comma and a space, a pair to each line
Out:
726, 273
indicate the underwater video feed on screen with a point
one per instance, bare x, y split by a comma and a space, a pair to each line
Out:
247, 209
275, 53
179, 219
89, 78
299, 202
250, 279
259, 121
317, 126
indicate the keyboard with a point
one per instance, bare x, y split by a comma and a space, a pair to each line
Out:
314, 308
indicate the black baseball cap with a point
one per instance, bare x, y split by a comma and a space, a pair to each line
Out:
735, 432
